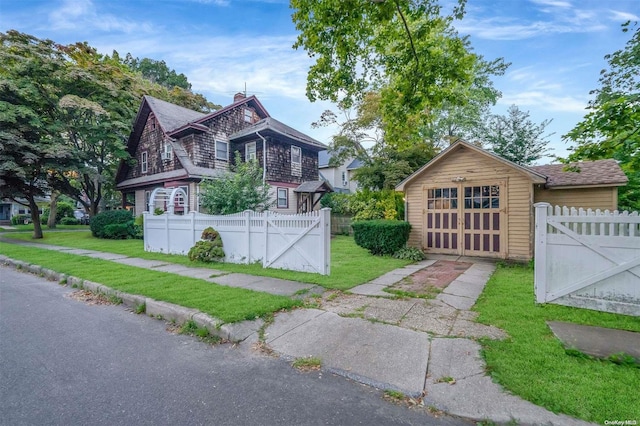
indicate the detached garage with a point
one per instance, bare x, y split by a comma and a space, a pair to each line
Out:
468, 201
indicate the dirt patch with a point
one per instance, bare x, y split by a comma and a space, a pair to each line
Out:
432, 279
91, 298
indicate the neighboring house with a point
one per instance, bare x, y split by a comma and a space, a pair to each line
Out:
9, 209
175, 147
468, 201
339, 177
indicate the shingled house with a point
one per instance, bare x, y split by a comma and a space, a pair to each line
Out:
468, 201
175, 147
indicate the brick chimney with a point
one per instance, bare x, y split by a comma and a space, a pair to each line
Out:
238, 97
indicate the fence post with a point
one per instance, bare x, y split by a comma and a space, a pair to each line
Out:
145, 231
266, 238
166, 226
193, 229
325, 238
247, 230
540, 254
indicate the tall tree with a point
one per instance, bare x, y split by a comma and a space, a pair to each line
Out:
31, 145
517, 138
157, 72
611, 128
406, 50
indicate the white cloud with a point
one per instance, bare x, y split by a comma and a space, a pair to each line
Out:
82, 14
541, 100
553, 3
617, 15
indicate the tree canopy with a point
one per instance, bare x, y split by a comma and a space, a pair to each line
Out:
65, 115
517, 138
611, 128
405, 50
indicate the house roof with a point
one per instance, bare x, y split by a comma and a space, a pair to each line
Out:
270, 125
587, 173
460, 144
355, 164
314, 186
196, 124
171, 116
324, 157
592, 173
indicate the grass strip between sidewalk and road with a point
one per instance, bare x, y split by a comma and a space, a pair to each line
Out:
351, 265
533, 364
226, 303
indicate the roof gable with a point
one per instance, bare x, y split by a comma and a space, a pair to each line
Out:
459, 145
271, 125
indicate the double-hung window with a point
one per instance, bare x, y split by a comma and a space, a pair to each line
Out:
250, 151
144, 162
222, 150
283, 198
296, 155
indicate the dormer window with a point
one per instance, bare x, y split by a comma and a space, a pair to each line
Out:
248, 115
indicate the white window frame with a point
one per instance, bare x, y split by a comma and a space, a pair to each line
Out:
144, 162
227, 150
284, 191
295, 149
167, 152
248, 115
250, 152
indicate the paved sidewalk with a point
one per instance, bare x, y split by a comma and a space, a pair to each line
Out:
415, 346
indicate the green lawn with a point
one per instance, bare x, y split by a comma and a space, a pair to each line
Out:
226, 303
533, 364
351, 265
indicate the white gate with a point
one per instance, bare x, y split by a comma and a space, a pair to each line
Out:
298, 242
588, 259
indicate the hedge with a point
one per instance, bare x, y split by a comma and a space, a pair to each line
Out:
381, 237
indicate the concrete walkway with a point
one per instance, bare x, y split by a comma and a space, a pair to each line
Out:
416, 346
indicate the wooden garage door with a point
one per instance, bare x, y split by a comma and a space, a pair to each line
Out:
465, 219
482, 220
441, 220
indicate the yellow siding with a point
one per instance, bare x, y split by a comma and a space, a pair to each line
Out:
478, 169
594, 198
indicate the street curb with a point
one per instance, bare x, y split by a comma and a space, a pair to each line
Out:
234, 332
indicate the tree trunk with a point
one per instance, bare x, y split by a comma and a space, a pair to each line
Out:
35, 218
53, 210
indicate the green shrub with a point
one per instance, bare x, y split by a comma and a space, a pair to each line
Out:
381, 237
209, 249
63, 209
69, 221
20, 219
100, 221
410, 253
118, 231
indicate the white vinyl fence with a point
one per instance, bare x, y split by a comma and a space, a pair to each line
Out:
588, 259
298, 242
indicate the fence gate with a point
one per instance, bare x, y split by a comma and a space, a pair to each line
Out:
587, 258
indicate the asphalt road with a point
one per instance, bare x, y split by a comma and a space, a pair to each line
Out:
66, 362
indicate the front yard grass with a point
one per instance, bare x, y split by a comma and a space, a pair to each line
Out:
226, 303
351, 265
533, 364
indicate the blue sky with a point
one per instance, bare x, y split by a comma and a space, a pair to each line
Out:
556, 48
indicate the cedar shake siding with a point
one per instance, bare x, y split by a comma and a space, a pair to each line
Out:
180, 147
